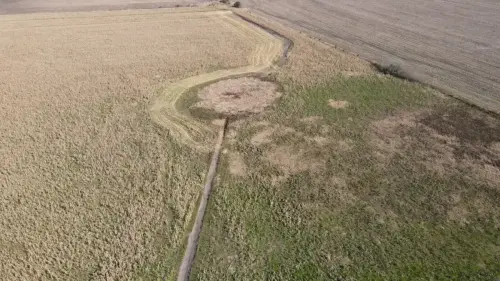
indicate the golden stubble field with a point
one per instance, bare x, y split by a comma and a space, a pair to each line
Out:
92, 188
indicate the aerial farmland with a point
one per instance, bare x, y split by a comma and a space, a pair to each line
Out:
324, 167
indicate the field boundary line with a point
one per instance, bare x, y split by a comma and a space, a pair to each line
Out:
262, 59
194, 235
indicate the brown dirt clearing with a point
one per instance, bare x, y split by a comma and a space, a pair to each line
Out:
237, 165
266, 135
238, 96
293, 161
338, 104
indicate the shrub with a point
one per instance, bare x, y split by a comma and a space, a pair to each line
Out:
393, 70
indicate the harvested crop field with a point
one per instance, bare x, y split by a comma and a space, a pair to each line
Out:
33, 6
452, 45
99, 179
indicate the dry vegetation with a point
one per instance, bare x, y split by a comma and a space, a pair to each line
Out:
36, 6
351, 176
91, 187
169, 107
354, 175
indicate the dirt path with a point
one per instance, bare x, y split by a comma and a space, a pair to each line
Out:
453, 45
165, 113
183, 127
187, 261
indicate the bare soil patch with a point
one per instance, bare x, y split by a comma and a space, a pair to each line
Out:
338, 104
387, 134
218, 122
319, 140
265, 136
444, 142
292, 161
262, 137
237, 164
238, 96
312, 119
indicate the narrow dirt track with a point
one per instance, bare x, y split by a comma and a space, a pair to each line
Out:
453, 45
194, 235
261, 60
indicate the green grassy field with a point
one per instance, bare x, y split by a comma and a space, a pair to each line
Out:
400, 184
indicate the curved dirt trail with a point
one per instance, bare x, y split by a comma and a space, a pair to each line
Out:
187, 129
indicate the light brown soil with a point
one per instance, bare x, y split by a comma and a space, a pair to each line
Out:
311, 119
218, 122
338, 104
320, 140
441, 146
266, 135
262, 137
237, 165
387, 134
238, 96
292, 161
344, 145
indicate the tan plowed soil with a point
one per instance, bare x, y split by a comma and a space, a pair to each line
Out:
449, 44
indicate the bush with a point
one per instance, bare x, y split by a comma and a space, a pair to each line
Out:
393, 70
237, 4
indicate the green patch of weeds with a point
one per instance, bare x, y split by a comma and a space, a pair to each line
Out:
361, 214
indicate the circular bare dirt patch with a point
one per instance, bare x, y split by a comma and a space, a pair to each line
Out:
238, 96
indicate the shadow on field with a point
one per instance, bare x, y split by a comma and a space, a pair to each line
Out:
475, 131
464, 125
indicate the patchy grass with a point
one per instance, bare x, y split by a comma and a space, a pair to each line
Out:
399, 185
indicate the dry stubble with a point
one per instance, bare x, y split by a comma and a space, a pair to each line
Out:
92, 188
